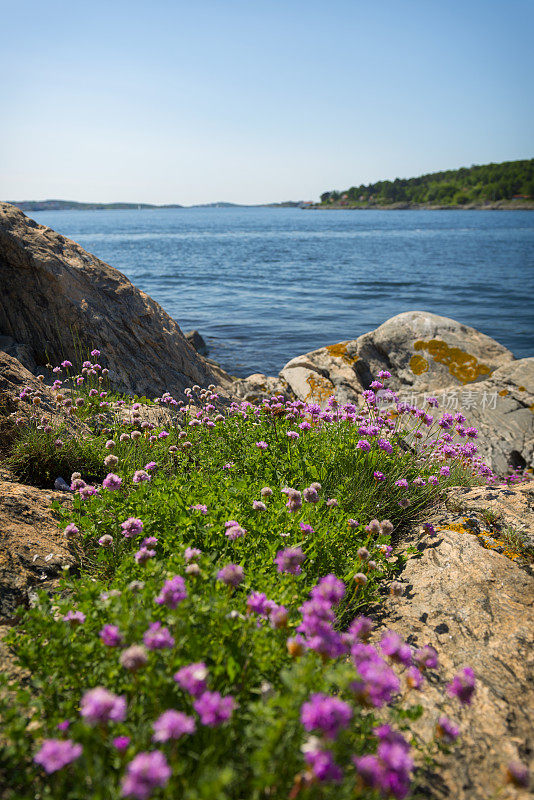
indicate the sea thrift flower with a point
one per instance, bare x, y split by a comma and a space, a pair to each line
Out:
121, 743
426, 657
386, 527
329, 589
70, 530
378, 682
101, 706
393, 646
290, 560
360, 579
172, 592
231, 574
310, 495
144, 554
364, 445
262, 445
257, 505
373, 527
106, 540
463, 686
379, 476
146, 772
191, 553
63, 726
74, 618
192, 678
199, 507
55, 754
234, 532
140, 475
305, 528
332, 503
111, 461
326, 714
414, 678
323, 766
518, 775
134, 658
447, 730
131, 527
112, 482
157, 637
149, 541
213, 709
266, 492
172, 725
353, 523
111, 636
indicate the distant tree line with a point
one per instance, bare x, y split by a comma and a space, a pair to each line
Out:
475, 184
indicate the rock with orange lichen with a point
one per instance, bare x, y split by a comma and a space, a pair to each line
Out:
424, 353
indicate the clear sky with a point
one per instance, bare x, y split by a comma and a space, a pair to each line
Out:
256, 100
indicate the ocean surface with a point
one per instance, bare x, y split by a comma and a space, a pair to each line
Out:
265, 284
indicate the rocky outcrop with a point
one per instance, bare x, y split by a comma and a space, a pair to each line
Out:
59, 301
475, 606
197, 341
424, 353
259, 386
32, 552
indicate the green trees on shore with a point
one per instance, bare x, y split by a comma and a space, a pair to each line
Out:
489, 182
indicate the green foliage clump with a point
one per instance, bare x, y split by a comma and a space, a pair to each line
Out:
215, 540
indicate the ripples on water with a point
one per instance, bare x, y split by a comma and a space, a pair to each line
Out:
263, 285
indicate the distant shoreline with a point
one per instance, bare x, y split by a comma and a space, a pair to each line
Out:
498, 205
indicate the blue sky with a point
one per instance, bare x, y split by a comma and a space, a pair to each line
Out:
256, 100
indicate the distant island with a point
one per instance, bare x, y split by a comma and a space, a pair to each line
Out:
73, 205
506, 185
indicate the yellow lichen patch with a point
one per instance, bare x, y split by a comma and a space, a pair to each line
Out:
340, 350
418, 365
503, 392
521, 389
463, 366
456, 527
320, 388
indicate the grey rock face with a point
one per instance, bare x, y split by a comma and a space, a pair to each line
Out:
475, 607
57, 297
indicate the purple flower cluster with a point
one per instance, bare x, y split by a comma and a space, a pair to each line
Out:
463, 686
326, 714
172, 725
131, 527
192, 678
146, 772
231, 574
214, 709
290, 560
101, 706
55, 754
158, 637
390, 769
172, 592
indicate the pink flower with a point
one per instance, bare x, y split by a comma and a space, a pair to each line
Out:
146, 772
112, 482
213, 709
172, 725
101, 706
56, 754
192, 678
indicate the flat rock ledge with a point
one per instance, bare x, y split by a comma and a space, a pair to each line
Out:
476, 607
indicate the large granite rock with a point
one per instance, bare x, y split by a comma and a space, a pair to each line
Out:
55, 294
431, 355
475, 606
424, 353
